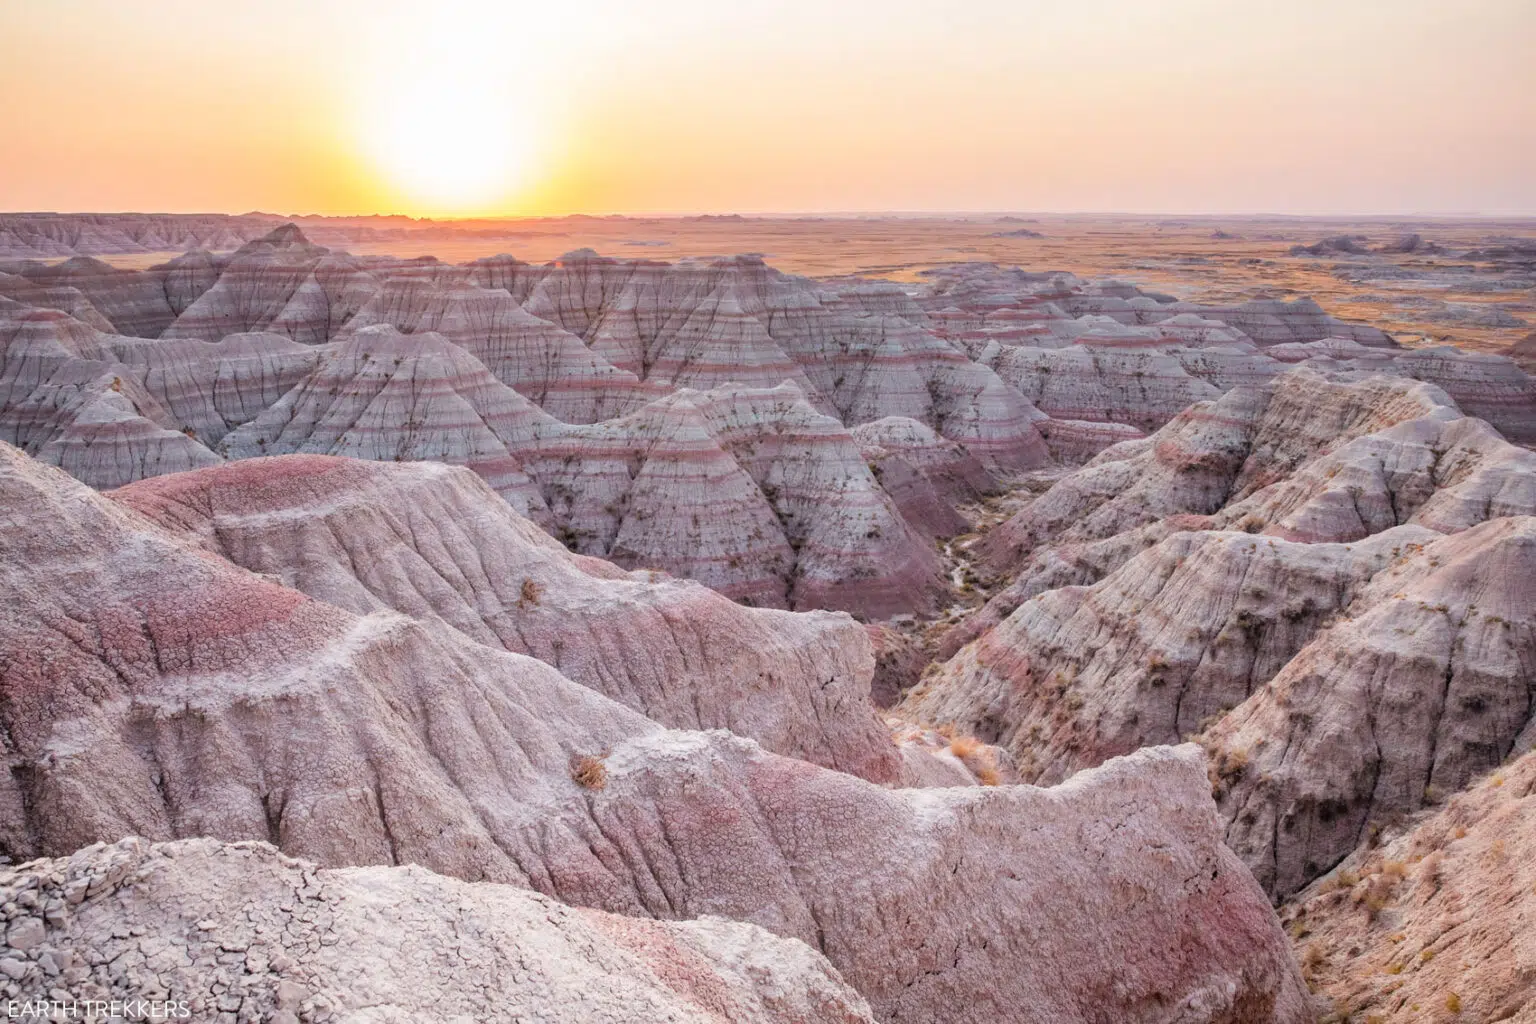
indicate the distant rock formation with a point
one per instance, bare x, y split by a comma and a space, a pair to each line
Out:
1347, 245
692, 417
1410, 243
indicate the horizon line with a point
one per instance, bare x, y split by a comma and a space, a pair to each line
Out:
807, 214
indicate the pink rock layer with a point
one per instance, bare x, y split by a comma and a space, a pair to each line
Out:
167, 692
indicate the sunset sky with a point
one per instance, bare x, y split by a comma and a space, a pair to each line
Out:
453, 107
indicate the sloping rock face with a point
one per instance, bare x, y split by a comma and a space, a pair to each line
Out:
280, 283
434, 543
212, 388
385, 943
925, 475
1210, 456
383, 396
65, 399
1431, 675
1175, 638
1260, 570
132, 302
63, 298
1305, 459
1139, 387
1437, 917
113, 409
165, 692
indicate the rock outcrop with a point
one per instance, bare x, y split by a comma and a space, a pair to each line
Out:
1259, 570
750, 491
50, 235
1430, 677
1436, 920
206, 930
435, 543
541, 361
165, 692
1177, 637
926, 475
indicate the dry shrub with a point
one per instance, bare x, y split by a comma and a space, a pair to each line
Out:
1453, 1003
1311, 959
964, 746
589, 772
1224, 768
531, 592
1378, 893
1430, 867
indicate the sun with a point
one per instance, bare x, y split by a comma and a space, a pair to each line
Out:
448, 124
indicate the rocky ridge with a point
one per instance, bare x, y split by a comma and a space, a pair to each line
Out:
1259, 570
167, 692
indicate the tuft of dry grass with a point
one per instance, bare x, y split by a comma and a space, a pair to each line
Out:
1453, 1003
964, 746
531, 591
589, 772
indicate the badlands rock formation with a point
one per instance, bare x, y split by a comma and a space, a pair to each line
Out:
1288, 572
1435, 918
163, 691
238, 931
510, 639
1109, 353
638, 410
749, 490
434, 543
44, 235
1431, 672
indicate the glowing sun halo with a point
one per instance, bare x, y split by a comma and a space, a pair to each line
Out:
449, 130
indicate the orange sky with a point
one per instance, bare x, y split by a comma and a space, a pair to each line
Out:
461, 107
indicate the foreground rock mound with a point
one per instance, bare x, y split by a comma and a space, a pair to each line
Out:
435, 543
159, 922
168, 693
